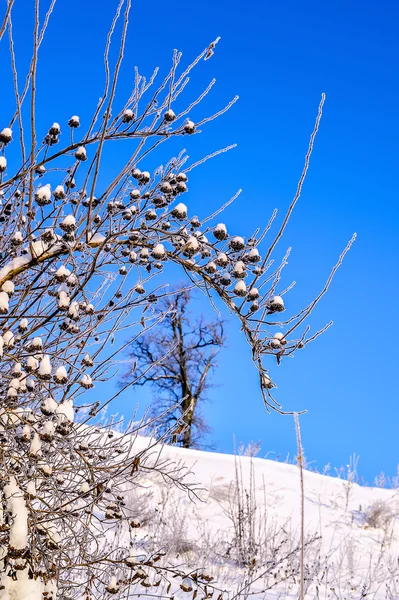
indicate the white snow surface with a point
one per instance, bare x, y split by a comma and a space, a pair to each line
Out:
335, 512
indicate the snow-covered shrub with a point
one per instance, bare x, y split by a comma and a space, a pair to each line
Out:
74, 271
378, 515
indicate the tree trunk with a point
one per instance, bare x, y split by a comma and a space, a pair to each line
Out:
189, 406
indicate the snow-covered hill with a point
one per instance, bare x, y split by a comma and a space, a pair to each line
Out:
241, 524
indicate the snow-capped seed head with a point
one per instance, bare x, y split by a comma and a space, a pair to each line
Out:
158, 252
225, 278
86, 381
189, 127
59, 192
181, 178
253, 294
181, 187
36, 344
44, 468
220, 231
23, 387
132, 257
3, 164
136, 173
96, 239
159, 201
151, 215
48, 235
55, 129
240, 289
65, 412
275, 304
84, 488
81, 153
68, 224
72, 280
31, 384
73, 312
8, 339
191, 247
144, 177
15, 383
169, 115
144, 254
89, 310
122, 270
275, 343
44, 371
267, 382
40, 170
48, 406
222, 260
210, 267
280, 337
8, 287
165, 187
35, 446
31, 364
252, 256
195, 222
4, 303
139, 289
48, 431
74, 121
180, 211
61, 375
17, 370
5, 135
237, 243
135, 194
17, 239
87, 361
62, 273
112, 587
43, 195
63, 301
26, 433
128, 116
239, 271
12, 393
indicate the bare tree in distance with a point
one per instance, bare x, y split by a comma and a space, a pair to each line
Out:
176, 358
78, 267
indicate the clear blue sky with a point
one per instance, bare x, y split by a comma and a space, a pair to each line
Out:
279, 57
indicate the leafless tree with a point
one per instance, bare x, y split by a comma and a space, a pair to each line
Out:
176, 359
78, 266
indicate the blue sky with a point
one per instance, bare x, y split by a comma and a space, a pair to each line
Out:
279, 57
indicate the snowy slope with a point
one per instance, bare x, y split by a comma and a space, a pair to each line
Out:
244, 521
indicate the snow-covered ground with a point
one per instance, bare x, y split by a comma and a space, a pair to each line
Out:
242, 526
